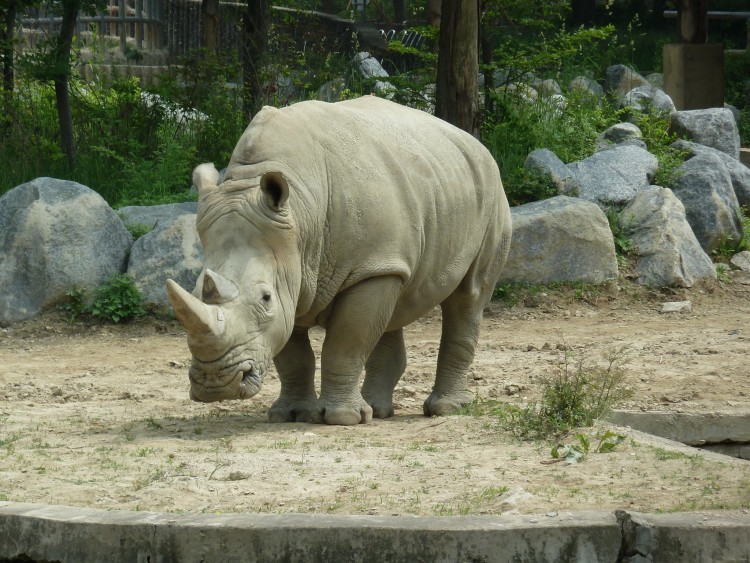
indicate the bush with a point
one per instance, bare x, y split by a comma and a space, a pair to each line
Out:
575, 395
118, 300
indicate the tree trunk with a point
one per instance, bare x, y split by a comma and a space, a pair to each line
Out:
255, 32
433, 12
6, 45
457, 99
210, 11
62, 73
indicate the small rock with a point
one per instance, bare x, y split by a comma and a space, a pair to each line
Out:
741, 261
739, 276
409, 390
676, 307
512, 389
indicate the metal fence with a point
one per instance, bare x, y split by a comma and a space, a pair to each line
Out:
138, 21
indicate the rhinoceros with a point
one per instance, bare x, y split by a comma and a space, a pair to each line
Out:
359, 217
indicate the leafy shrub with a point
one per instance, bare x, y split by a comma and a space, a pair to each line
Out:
575, 395
75, 306
118, 300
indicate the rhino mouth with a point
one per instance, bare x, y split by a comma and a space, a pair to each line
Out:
212, 381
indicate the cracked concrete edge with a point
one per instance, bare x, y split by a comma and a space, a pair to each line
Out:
66, 534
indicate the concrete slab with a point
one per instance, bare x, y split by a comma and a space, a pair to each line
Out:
68, 534
689, 428
684, 537
32, 532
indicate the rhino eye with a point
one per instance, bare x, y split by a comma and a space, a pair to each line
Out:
267, 297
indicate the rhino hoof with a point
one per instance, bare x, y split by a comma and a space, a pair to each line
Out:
347, 416
382, 410
442, 405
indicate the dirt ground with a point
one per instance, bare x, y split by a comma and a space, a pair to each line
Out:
99, 415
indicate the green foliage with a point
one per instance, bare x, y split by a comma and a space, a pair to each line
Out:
656, 134
520, 126
75, 306
118, 300
575, 395
722, 273
137, 230
575, 453
624, 245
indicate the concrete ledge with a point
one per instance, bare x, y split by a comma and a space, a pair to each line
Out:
68, 534
31, 532
683, 537
687, 428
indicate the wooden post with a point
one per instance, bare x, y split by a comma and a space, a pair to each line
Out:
123, 28
692, 18
139, 25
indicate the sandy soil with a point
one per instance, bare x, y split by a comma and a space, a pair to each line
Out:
99, 415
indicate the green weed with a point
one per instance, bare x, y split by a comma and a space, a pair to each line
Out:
118, 300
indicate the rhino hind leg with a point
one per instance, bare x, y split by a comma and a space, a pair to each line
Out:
462, 315
383, 369
295, 365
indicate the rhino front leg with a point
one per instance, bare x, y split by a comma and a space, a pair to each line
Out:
462, 315
295, 365
356, 324
383, 369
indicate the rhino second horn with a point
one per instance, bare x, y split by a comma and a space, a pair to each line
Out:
196, 317
217, 289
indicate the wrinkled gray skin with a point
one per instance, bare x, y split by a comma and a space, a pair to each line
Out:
359, 217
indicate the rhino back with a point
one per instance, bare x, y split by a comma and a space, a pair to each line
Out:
381, 189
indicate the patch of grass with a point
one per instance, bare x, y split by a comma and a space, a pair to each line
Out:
137, 230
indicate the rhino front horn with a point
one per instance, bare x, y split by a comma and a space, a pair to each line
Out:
198, 318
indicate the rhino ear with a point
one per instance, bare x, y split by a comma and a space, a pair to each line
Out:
275, 189
205, 177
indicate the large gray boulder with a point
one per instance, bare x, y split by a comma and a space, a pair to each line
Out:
614, 175
545, 163
713, 127
150, 215
705, 189
55, 234
621, 79
648, 99
668, 252
561, 239
738, 172
171, 250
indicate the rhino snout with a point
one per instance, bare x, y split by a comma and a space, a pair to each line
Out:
208, 384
